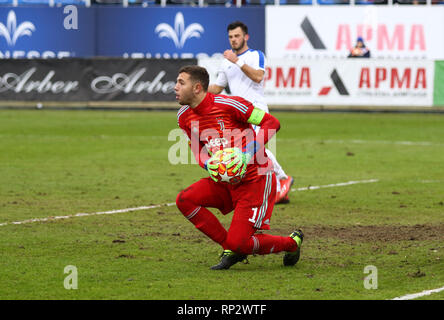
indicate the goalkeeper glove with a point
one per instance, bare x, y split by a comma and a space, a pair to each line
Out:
238, 159
212, 165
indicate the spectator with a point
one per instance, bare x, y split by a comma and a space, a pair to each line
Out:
359, 50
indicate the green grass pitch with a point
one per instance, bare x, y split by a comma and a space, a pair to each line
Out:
57, 163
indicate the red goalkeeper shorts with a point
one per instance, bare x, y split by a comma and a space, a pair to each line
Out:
252, 202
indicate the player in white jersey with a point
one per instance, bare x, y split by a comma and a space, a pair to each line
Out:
243, 70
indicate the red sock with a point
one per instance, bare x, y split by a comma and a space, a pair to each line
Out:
189, 203
266, 244
207, 223
241, 238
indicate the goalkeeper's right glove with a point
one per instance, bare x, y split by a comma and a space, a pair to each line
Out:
212, 165
238, 159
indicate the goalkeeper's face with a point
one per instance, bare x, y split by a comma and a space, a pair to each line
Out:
184, 89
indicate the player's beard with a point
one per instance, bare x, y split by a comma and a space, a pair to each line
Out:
183, 101
239, 47
185, 98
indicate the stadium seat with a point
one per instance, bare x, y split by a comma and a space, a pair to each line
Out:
183, 2
333, 2
130, 2
47, 2
298, 1
268, 2
222, 2
107, 2
370, 2
410, 2
260, 2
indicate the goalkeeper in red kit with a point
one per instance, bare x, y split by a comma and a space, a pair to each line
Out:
214, 123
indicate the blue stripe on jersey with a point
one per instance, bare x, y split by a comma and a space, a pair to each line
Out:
261, 59
241, 107
264, 206
232, 105
245, 52
181, 111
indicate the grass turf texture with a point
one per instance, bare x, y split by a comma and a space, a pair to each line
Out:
56, 163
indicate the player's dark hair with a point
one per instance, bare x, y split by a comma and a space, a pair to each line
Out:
237, 24
198, 74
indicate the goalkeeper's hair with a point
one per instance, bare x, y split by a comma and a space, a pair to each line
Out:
197, 74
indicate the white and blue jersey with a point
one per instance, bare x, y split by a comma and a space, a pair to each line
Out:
240, 85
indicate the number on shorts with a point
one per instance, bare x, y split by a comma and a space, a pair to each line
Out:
253, 219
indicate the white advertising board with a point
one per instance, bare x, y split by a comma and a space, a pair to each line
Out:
344, 82
360, 82
394, 32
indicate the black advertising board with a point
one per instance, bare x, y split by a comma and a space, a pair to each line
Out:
84, 80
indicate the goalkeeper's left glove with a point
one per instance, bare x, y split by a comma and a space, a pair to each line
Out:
238, 159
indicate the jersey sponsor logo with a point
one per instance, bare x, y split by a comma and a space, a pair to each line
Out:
216, 142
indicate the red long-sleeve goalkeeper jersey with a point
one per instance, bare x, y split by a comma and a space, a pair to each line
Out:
221, 122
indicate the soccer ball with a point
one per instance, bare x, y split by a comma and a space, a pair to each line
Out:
227, 175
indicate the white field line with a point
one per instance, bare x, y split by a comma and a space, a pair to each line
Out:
431, 181
341, 184
419, 294
387, 142
87, 214
403, 143
162, 205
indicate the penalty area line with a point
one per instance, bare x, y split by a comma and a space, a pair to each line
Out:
88, 214
54, 218
341, 184
419, 294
